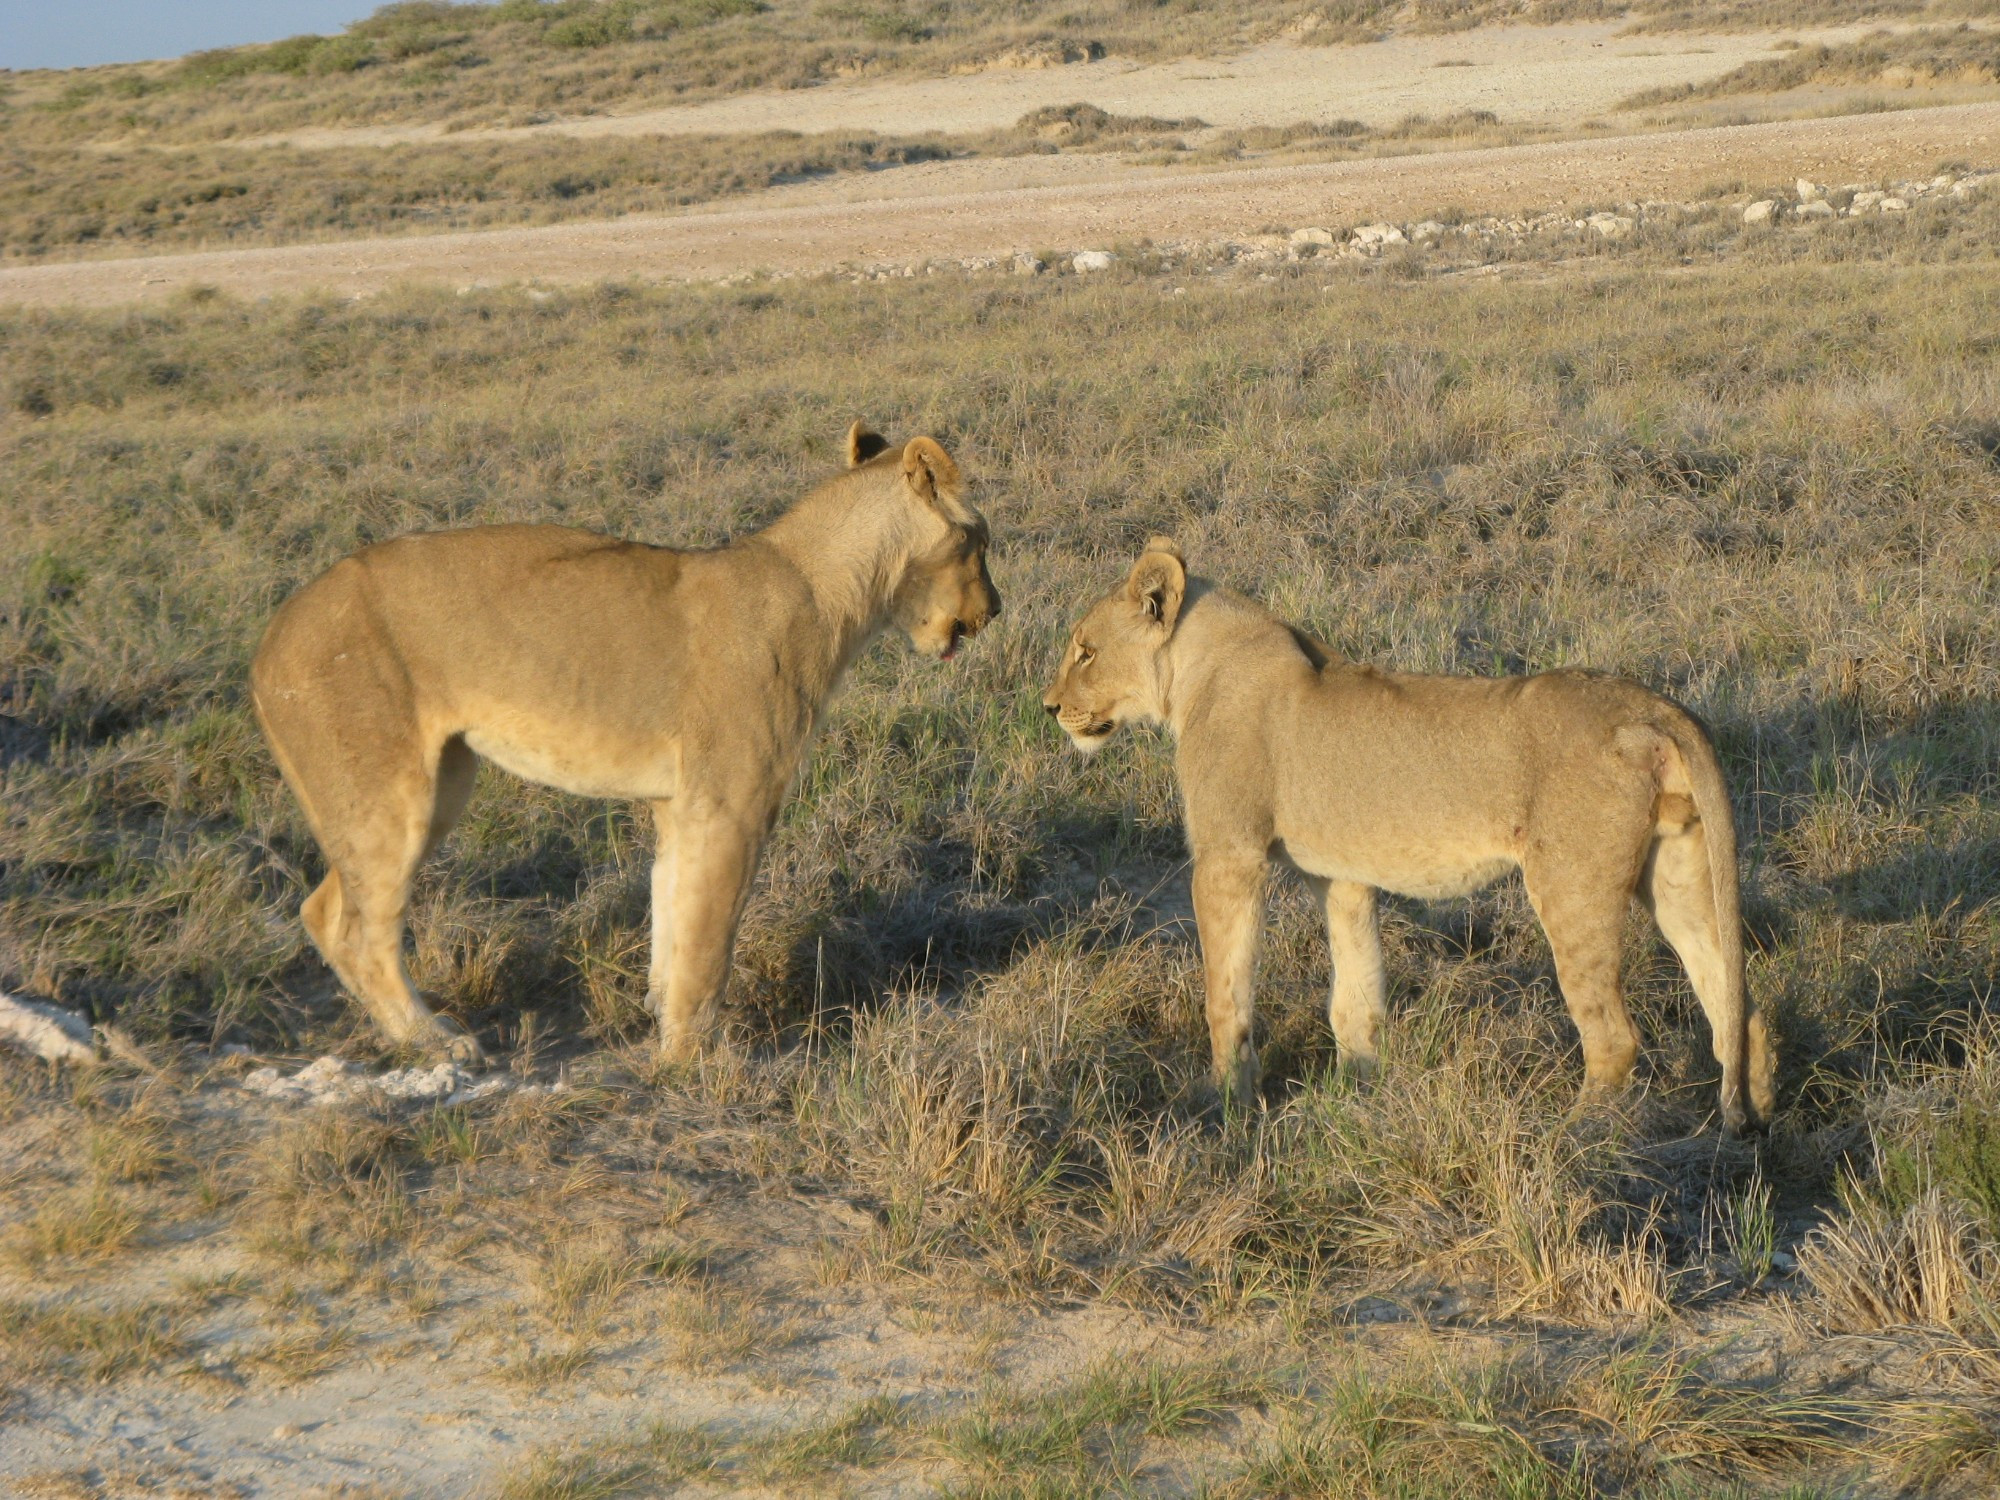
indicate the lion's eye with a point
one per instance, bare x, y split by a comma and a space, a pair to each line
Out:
1085, 656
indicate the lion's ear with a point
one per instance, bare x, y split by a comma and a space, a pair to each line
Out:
929, 471
1158, 583
863, 443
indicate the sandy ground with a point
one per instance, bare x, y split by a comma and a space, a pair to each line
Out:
1550, 74
423, 1407
979, 208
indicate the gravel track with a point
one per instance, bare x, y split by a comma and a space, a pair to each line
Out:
868, 220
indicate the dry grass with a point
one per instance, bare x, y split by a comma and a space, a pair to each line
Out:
1757, 471
72, 200
524, 62
77, 1225
1638, 1421
1917, 58
66, 1340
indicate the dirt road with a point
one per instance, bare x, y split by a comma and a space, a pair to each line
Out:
975, 208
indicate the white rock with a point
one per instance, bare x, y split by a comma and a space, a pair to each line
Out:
1092, 260
1312, 237
1028, 265
1893, 206
1809, 192
1761, 212
1819, 208
1866, 200
1372, 237
48, 1031
1428, 232
418, 1083
329, 1080
480, 1090
1612, 226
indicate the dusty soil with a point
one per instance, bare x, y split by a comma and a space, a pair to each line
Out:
990, 208
427, 1407
1554, 74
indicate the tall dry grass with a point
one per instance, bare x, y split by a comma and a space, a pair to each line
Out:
1756, 472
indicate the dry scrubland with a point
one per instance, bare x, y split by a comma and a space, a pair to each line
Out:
966, 998
522, 61
66, 203
172, 154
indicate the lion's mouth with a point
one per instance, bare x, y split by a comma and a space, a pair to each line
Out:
952, 641
1097, 729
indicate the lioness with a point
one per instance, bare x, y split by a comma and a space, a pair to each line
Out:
1429, 786
691, 679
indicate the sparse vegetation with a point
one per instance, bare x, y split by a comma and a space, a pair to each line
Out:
60, 202
524, 61
1755, 470
1921, 57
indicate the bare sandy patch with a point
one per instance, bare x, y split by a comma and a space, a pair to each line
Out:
1554, 74
865, 219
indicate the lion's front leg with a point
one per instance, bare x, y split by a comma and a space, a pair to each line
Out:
702, 871
1229, 911
1357, 1005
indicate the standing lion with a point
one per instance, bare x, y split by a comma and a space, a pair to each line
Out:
690, 680
1593, 787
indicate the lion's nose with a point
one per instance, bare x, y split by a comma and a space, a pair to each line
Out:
1053, 710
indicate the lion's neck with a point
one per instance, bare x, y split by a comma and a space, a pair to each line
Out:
1216, 626
852, 551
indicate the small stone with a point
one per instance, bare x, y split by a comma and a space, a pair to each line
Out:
1372, 237
1863, 201
1312, 236
1028, 265
284, 1432
1091, 260
48, 1031
1612, 226
1819, 208
1810, 192
1893, 206
1761, 212
1429, 232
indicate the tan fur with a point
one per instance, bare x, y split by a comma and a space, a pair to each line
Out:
691, 680
1593, 787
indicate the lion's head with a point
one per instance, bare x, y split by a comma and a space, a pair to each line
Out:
1112, 671
946, 595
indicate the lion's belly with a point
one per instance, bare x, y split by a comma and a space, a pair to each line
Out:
591, 766
1430, 875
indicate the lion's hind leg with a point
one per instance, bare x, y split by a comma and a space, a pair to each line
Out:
1581, 894
377, 807
375, 857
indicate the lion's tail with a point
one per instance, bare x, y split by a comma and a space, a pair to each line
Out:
1741, 1044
